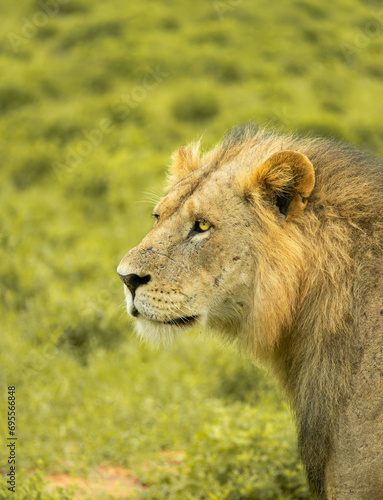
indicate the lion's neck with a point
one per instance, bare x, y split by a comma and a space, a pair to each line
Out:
315, 363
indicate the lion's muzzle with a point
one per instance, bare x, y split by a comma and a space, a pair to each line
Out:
133, 281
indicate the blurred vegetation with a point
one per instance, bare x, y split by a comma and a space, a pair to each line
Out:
94, 96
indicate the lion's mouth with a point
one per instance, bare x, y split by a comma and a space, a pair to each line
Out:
182, 321
187, 320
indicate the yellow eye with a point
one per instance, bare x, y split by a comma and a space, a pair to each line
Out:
202, 225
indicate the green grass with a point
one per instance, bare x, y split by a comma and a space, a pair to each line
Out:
93, 99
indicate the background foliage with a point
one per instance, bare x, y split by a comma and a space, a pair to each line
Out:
94, 96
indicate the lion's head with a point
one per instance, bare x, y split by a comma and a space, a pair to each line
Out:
249, 242
213, 242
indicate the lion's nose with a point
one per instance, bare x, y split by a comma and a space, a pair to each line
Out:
133, 281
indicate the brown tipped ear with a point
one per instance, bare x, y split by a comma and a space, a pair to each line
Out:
288, 179
185, 160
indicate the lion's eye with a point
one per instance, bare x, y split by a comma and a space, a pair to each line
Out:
202, 226
156, 219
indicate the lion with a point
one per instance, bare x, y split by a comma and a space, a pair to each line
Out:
275, 242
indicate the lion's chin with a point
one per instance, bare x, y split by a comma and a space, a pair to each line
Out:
162, 334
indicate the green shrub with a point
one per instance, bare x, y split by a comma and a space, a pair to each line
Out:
34, 488
195, 104
243, 454
14, 97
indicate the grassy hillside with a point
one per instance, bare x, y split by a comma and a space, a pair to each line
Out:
94, 96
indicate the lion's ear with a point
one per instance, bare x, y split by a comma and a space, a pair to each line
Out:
184, 161
287, 179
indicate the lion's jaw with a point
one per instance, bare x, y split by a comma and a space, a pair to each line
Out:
190, 276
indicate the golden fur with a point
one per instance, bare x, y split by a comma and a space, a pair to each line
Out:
290, 268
